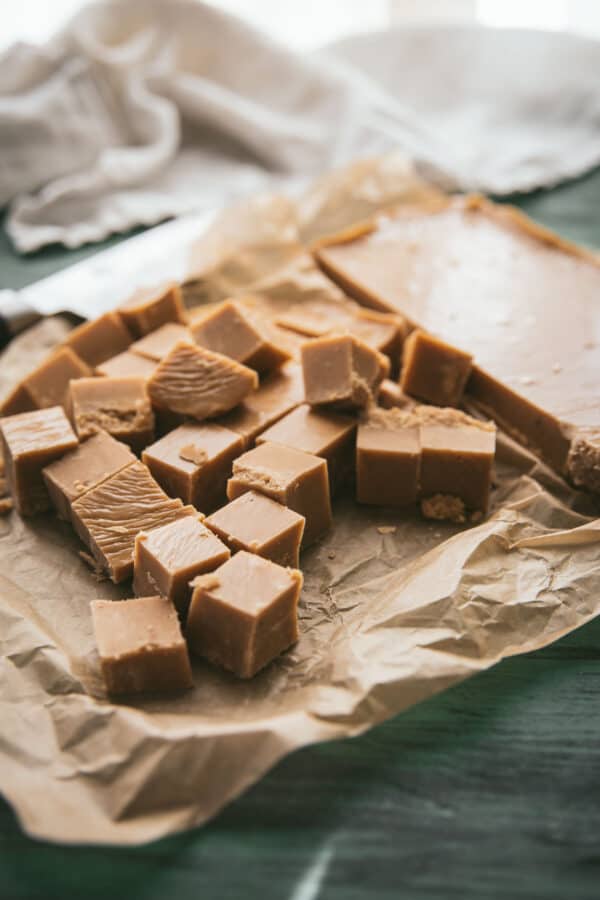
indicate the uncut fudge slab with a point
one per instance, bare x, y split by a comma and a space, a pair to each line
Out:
166, 559
434, 371
96, 341
149, 308
83, 468
48, 384
196, 382
259, 525
31, 441
140, 646
120, 406
157, 344
296, 479
522, 300
233, 331
320, 432
245, 614
194, 462
125, 365
342, 370
109, 516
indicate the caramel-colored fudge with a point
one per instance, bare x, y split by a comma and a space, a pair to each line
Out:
149, 308
194, 462
342, 370
127, 365
98, 340
197, 382
140, 646
384, 332
280, 392
166, 559
48, 384
233, 331
244, 614
391, 395
320, 432
388, 458
83, 468
16, 401
258, 524
30, 441
157, 344
433, 371
109, 516
120, 406
296, 479
315, 318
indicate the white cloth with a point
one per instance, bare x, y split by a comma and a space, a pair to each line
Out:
143, 109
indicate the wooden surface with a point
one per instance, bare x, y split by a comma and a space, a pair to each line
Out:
489, 790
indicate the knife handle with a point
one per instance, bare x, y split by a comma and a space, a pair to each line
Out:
15, 316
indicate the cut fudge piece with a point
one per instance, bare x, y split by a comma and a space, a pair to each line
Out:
197, 382
384, 332
48, 384
83, 468
157, 344
98, 340
258, 524
342, 370
31, 441
194, 462
321, 433
388, 457
233, 331
166, 559
245, 613
434, 371
314, 318
280, 392
149, 308
109, 516
140, 646
120, 406
296, 479
125, 365
16, 401
391, 395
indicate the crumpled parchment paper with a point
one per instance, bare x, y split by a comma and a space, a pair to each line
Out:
394, 608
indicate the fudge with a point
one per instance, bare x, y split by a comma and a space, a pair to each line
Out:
149, 308
83, 468
126, 364
259, 525
140, 646
167, 558
315, 318
320, 432
96, 341
120, 406
244, 614
16, 401
157, 344
296, 479
48, 384
233, 331
388, 458
194, 462
384, 332
30, 441
342, 370
196, 382
434, 371
108, 517
391, 394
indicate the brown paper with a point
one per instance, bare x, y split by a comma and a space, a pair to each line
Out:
394, 608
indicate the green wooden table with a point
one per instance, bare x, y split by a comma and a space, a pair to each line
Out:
490, 790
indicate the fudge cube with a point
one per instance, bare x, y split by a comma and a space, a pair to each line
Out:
388, 456
196, 382
244, 614
120, 406
296, 479
48, 384
149, 308
30, 441
342, 370
320, 432
158, 343
140, 646
433, 371
83, 468
194, 462
234, 332
125, 365
108, 517
259, 525
167, 558
98, 340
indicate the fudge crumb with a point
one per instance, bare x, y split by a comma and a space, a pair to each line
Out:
194, 454
206, 582
387, 529
444, 507
331, 554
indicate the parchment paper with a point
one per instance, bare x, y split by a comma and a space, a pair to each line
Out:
394, 608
